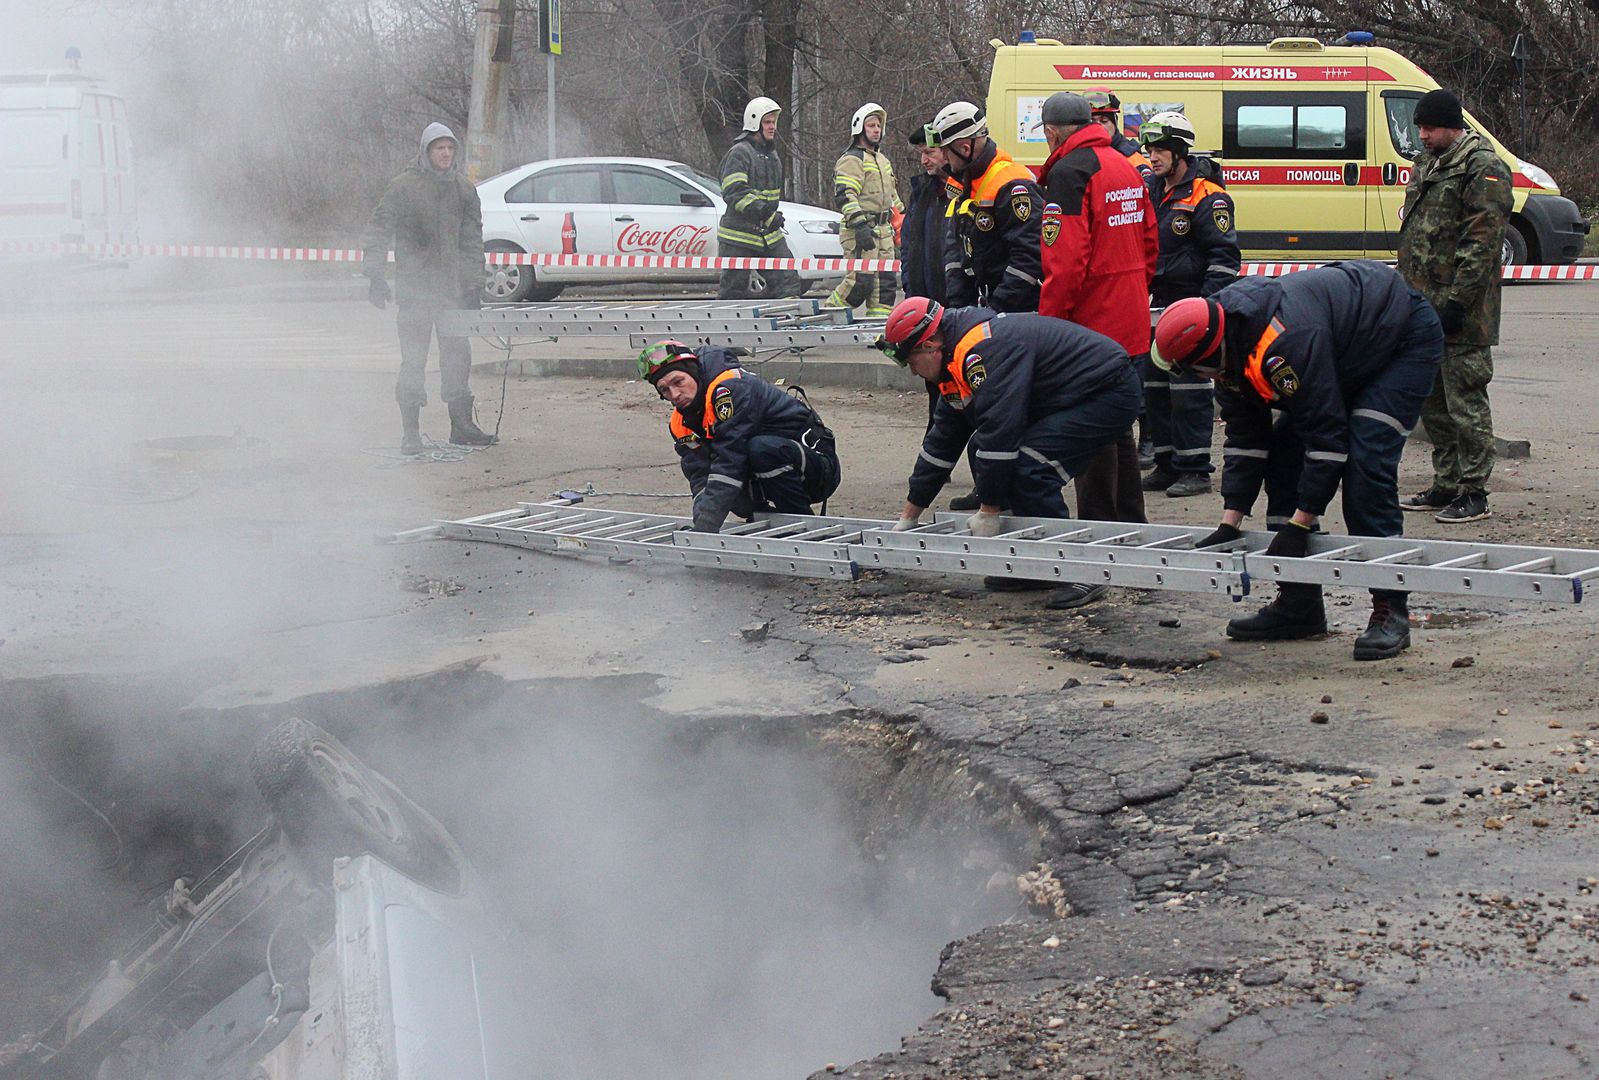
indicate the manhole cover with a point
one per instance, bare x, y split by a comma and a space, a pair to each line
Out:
130, 484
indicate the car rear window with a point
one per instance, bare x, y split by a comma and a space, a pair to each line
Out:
559, 186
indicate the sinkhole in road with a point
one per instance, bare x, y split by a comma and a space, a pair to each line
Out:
694, 897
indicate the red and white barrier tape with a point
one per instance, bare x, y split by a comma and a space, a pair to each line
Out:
628, 262
497, 258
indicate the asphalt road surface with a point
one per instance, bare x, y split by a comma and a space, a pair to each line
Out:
1278, 861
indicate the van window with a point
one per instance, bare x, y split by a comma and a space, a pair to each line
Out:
1275, 124
1400, 110
33, 142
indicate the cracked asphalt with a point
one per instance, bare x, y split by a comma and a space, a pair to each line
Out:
1278, 861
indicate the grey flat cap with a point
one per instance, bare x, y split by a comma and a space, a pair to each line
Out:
1065, 109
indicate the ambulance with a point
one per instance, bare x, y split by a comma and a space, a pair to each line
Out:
66, 161
1315, 141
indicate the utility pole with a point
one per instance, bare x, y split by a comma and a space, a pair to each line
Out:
491, 68
550, 44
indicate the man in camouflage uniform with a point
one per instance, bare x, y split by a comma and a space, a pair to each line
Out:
864, 192
752, 225
1456, 211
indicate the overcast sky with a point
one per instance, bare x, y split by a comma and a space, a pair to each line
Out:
36, 33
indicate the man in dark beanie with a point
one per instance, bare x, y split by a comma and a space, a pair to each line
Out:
744, 444
1457, 208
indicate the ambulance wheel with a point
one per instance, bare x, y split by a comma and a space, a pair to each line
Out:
1514, 250
513, 284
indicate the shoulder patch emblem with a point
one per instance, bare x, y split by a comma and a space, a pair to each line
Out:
1051, 231
722, 402
976, 373
1021, 204
1180, 224
1223, 218
1281, 376
984, 220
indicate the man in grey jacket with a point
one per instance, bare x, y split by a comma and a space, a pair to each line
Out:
431, 216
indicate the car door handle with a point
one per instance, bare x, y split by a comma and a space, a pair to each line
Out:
530, 217
625, 217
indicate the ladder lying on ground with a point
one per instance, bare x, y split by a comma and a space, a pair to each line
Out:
1044, 549
752, 324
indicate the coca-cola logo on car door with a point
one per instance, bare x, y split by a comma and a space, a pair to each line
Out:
678, 240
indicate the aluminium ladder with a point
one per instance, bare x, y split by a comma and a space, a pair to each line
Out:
1094, 552
650, 321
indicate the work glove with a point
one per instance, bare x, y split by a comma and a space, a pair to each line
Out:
471, 298
776, 221
1291, 542
1453, 316
1224, 534
985, 524
905, 524
377, 293
865, 238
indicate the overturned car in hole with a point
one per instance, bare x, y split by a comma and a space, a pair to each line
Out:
347, 940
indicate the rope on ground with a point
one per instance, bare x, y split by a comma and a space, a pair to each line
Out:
432, 453
588, 492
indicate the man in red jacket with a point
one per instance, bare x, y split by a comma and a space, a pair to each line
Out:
1100, 246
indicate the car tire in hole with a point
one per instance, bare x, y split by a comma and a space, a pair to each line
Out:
329, 805
513, 284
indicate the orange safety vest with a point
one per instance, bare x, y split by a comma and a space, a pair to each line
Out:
1001, 171
957, 389
1257, 359
1203, 186
681, 430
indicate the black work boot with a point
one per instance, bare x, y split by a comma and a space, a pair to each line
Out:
463, 432
1388, 632
410, 424
1296, 613
968, 501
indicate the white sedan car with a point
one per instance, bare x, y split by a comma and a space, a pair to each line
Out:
619, 206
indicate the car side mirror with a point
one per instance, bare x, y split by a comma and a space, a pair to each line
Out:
695, 198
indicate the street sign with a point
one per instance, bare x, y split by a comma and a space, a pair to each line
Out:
550, 27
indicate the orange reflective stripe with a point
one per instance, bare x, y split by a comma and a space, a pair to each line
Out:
1000, 172
1202, 188
957, 386
1252, 366
681, 429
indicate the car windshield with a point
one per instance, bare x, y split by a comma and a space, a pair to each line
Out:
695, 175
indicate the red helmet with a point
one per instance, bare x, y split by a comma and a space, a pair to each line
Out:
1188, 336
913, 320
1101, 102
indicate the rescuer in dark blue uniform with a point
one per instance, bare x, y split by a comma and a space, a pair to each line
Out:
1198, 256
1344, 355
1036, 397
743, 443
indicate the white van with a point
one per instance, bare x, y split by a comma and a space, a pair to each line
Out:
66, 161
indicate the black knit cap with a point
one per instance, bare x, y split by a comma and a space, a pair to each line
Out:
1439, 108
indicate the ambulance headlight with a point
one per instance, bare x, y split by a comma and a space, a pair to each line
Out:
1536, 175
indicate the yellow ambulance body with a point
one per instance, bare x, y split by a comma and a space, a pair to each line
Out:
1315, 141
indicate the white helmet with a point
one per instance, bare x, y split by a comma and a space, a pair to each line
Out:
756, 110
1168, 126
957, 120
857, 123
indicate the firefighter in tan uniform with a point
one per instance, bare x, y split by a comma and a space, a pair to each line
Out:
864, 192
